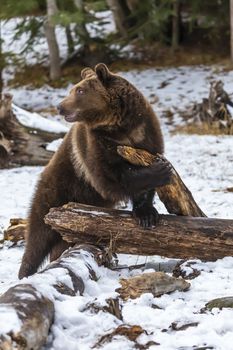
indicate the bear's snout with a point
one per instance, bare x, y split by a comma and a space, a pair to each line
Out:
60, 109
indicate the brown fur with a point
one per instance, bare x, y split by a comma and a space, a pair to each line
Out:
107, 111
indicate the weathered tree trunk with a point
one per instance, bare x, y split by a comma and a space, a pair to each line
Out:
176, 197
120, 15
49, 28
5, 148
231, 28
70, 41
34, 313
176, 24
2, 60
174, 236
31, 312
20, 145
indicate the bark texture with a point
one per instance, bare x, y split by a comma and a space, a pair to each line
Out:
176, 197
20, 145
176, 24
119, 15
231, 28
174, 237
16, 230
49, 29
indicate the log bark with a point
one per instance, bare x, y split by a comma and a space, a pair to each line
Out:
176, 197
119, 15
20, 145
231, 29
156, 283
32, 310
16, 230
173, 237
176, 25
5, 148
34, 313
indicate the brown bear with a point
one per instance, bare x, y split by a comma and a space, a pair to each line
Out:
107, 111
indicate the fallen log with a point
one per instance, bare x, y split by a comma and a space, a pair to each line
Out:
31, 315
176, 196
30, 306
21, 145
175, 236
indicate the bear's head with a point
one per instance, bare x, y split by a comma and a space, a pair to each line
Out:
102, 98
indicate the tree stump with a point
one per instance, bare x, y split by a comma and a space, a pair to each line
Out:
21, 145
214, 113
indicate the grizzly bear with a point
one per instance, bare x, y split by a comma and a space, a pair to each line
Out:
107, 111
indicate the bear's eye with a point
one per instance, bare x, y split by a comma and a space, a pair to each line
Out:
80, 91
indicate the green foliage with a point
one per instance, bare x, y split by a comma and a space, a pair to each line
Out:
12, 8
159, 12
96, 6
208, 13
150, 20
65, 18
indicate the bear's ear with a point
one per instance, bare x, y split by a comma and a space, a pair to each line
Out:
102, 72
87, 73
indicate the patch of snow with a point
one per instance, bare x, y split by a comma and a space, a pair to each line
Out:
9, 320
36, 121
54, 145
16, 188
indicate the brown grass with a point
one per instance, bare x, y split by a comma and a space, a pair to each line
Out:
203, 129
156, 56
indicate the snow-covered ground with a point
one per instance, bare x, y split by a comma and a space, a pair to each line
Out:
206, 166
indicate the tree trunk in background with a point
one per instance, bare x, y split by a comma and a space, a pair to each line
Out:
119, 15
70, 41
81, 28
231, 29
176, 24
49, 28
1, 60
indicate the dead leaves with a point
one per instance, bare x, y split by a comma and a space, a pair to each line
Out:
130, 332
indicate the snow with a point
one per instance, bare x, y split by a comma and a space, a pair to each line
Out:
205, 163
54, 145
9, 320
36, 121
